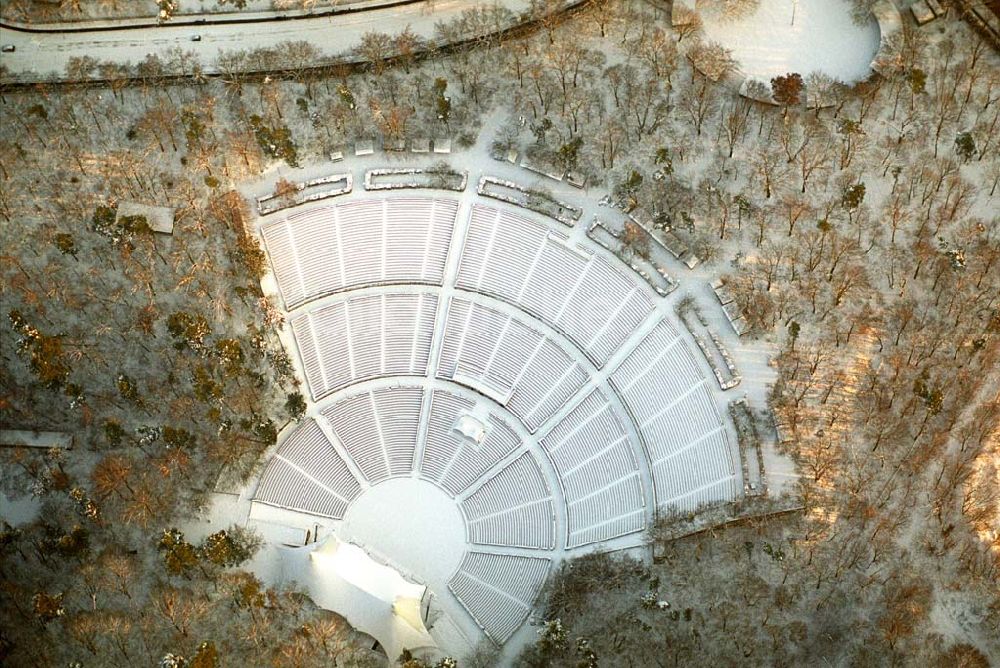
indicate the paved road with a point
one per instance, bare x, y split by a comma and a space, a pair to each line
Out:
41, 56
234, 16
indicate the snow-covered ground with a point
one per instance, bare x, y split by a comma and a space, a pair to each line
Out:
410, 524
802, 36
19, 510
422, 534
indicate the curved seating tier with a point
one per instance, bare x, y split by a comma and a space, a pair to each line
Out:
308, 475
449, 459
466, 445
361, 338
360, 243
703, 473
513, 508
670, 402
378, 430
593, 303
498, 590
598, 472
507, 360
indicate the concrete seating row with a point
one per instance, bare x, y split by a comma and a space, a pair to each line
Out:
508, 360
366, 242
512, 508
308, 475
378, 430
357, 339
684, 434
499, 590
598, 472
450, 460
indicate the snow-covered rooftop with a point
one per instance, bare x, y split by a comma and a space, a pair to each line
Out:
374, 598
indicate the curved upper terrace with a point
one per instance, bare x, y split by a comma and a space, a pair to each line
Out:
195, 18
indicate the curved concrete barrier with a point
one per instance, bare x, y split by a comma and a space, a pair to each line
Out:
890, 27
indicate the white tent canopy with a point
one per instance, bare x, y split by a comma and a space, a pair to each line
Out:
374, 598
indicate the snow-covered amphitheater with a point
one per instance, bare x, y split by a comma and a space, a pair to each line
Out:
491, 393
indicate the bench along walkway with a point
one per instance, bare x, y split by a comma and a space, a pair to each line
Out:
341, 185
654, 274
536, 201
712, 348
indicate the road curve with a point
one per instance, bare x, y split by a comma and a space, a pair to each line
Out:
43, 56
101, 25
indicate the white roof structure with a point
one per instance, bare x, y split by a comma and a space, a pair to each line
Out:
375, 599
471, 428
364, 147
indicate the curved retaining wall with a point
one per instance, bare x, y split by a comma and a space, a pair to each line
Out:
890, 27
885, 13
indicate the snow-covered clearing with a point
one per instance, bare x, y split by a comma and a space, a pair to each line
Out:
802, 36
19, 510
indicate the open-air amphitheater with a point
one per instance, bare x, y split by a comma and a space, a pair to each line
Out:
489, 386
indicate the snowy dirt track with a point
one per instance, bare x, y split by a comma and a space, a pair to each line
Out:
802, 36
